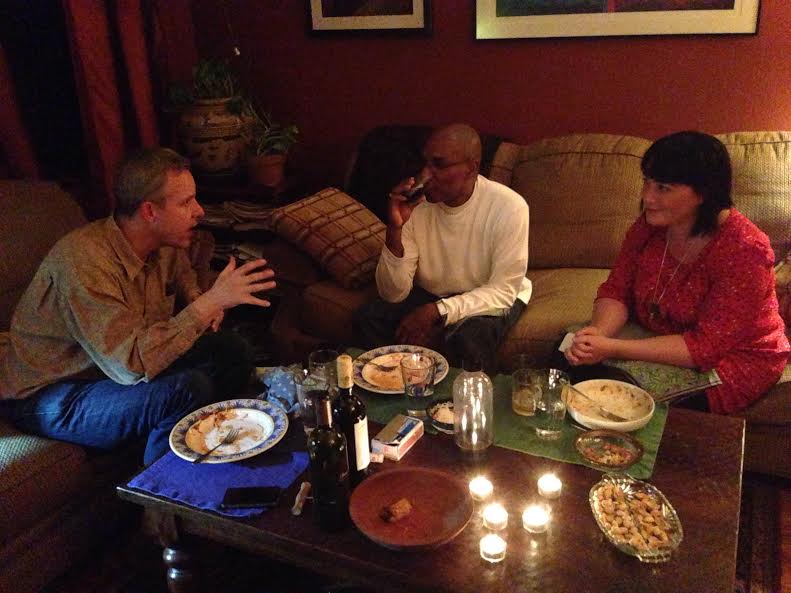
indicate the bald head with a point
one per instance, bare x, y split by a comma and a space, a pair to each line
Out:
463, 138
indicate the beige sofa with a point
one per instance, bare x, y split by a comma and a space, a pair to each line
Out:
583, 195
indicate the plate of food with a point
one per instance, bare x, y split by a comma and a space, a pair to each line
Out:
379, 370
636, 517
411, 508
609, 450
628, 401
261, 425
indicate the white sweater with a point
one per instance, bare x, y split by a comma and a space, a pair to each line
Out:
474, 255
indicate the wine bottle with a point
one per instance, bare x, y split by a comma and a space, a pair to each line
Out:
350, 417
329, 470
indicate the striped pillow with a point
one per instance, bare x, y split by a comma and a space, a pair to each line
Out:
341, 234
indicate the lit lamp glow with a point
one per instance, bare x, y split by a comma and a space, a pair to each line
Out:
493, 548
549, 486
480, 488
536, 518
495, 517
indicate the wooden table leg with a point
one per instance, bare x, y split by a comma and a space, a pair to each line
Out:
181, 572
181, 568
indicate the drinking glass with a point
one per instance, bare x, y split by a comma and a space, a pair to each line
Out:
551, 406
525, 391
417, 371
322, 369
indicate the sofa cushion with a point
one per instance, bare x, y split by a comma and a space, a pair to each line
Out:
774, 408
328, 310
762, 182
783, 285
37, 476
561, 297
335, 229
596, 179
33, 216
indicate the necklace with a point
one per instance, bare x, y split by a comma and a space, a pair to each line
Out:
653, 306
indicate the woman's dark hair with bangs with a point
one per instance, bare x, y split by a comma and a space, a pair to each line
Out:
698, 160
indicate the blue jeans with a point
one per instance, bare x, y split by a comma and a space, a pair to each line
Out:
473, 338
105, 414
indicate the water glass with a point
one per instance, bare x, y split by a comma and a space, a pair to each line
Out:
322, 369
551, 405
417, 370
525, 391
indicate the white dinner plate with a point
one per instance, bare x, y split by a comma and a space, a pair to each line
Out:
391, 383
260, 423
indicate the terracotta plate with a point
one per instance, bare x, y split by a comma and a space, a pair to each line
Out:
441, 508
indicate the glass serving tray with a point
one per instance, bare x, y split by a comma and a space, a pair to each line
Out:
647, 527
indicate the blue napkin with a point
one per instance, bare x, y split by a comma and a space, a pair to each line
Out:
280, 388
203, 485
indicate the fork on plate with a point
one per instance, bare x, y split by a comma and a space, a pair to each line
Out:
227, 439
385, 368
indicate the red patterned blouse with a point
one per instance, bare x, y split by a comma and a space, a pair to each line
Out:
723, 304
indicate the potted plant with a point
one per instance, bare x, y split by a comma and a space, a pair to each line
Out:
268, 144
211, 124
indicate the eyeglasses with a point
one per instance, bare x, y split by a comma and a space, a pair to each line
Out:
439, 164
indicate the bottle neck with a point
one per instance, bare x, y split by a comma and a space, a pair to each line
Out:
324, 412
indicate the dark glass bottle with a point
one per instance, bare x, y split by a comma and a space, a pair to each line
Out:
329, 470
350, 417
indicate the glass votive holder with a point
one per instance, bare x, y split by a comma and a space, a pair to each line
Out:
480, 488
493, 548
495, 517
549, 486
536, 518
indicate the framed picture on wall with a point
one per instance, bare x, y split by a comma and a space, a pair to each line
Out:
402, 16
503, 19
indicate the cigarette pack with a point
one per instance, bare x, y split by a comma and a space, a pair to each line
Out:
398, 437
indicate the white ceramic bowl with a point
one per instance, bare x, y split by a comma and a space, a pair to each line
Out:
623, 399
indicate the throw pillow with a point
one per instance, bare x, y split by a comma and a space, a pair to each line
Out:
783, 288
337, 231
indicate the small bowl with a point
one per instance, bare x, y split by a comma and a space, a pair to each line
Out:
437, 411
635, 404
609, 450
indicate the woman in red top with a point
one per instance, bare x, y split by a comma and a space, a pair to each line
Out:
696, 271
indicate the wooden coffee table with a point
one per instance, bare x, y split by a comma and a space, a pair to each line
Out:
699, 469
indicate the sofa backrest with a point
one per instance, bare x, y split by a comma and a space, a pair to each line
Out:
33, 216
583, 191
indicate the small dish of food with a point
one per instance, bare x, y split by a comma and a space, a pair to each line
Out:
636, 518
609, 450
441, 414
623, 399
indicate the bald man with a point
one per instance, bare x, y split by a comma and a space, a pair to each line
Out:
451, 275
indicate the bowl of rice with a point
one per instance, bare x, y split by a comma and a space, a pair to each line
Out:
623, 399
441, 414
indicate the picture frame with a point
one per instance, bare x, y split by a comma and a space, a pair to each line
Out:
509, 19
377, 16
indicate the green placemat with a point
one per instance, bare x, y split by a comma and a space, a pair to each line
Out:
512, 431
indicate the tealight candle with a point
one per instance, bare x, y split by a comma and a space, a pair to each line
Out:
536, 518
495, 517
480, 488
493, 548
549, 486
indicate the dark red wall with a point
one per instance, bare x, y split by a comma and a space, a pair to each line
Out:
337, 88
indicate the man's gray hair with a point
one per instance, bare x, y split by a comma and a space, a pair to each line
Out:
141, 174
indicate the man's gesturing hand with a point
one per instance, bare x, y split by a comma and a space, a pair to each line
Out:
236, 286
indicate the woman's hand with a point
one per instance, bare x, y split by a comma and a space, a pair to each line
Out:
589, 346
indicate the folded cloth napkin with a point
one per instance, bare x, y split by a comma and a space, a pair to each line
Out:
280, 388
203, 485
